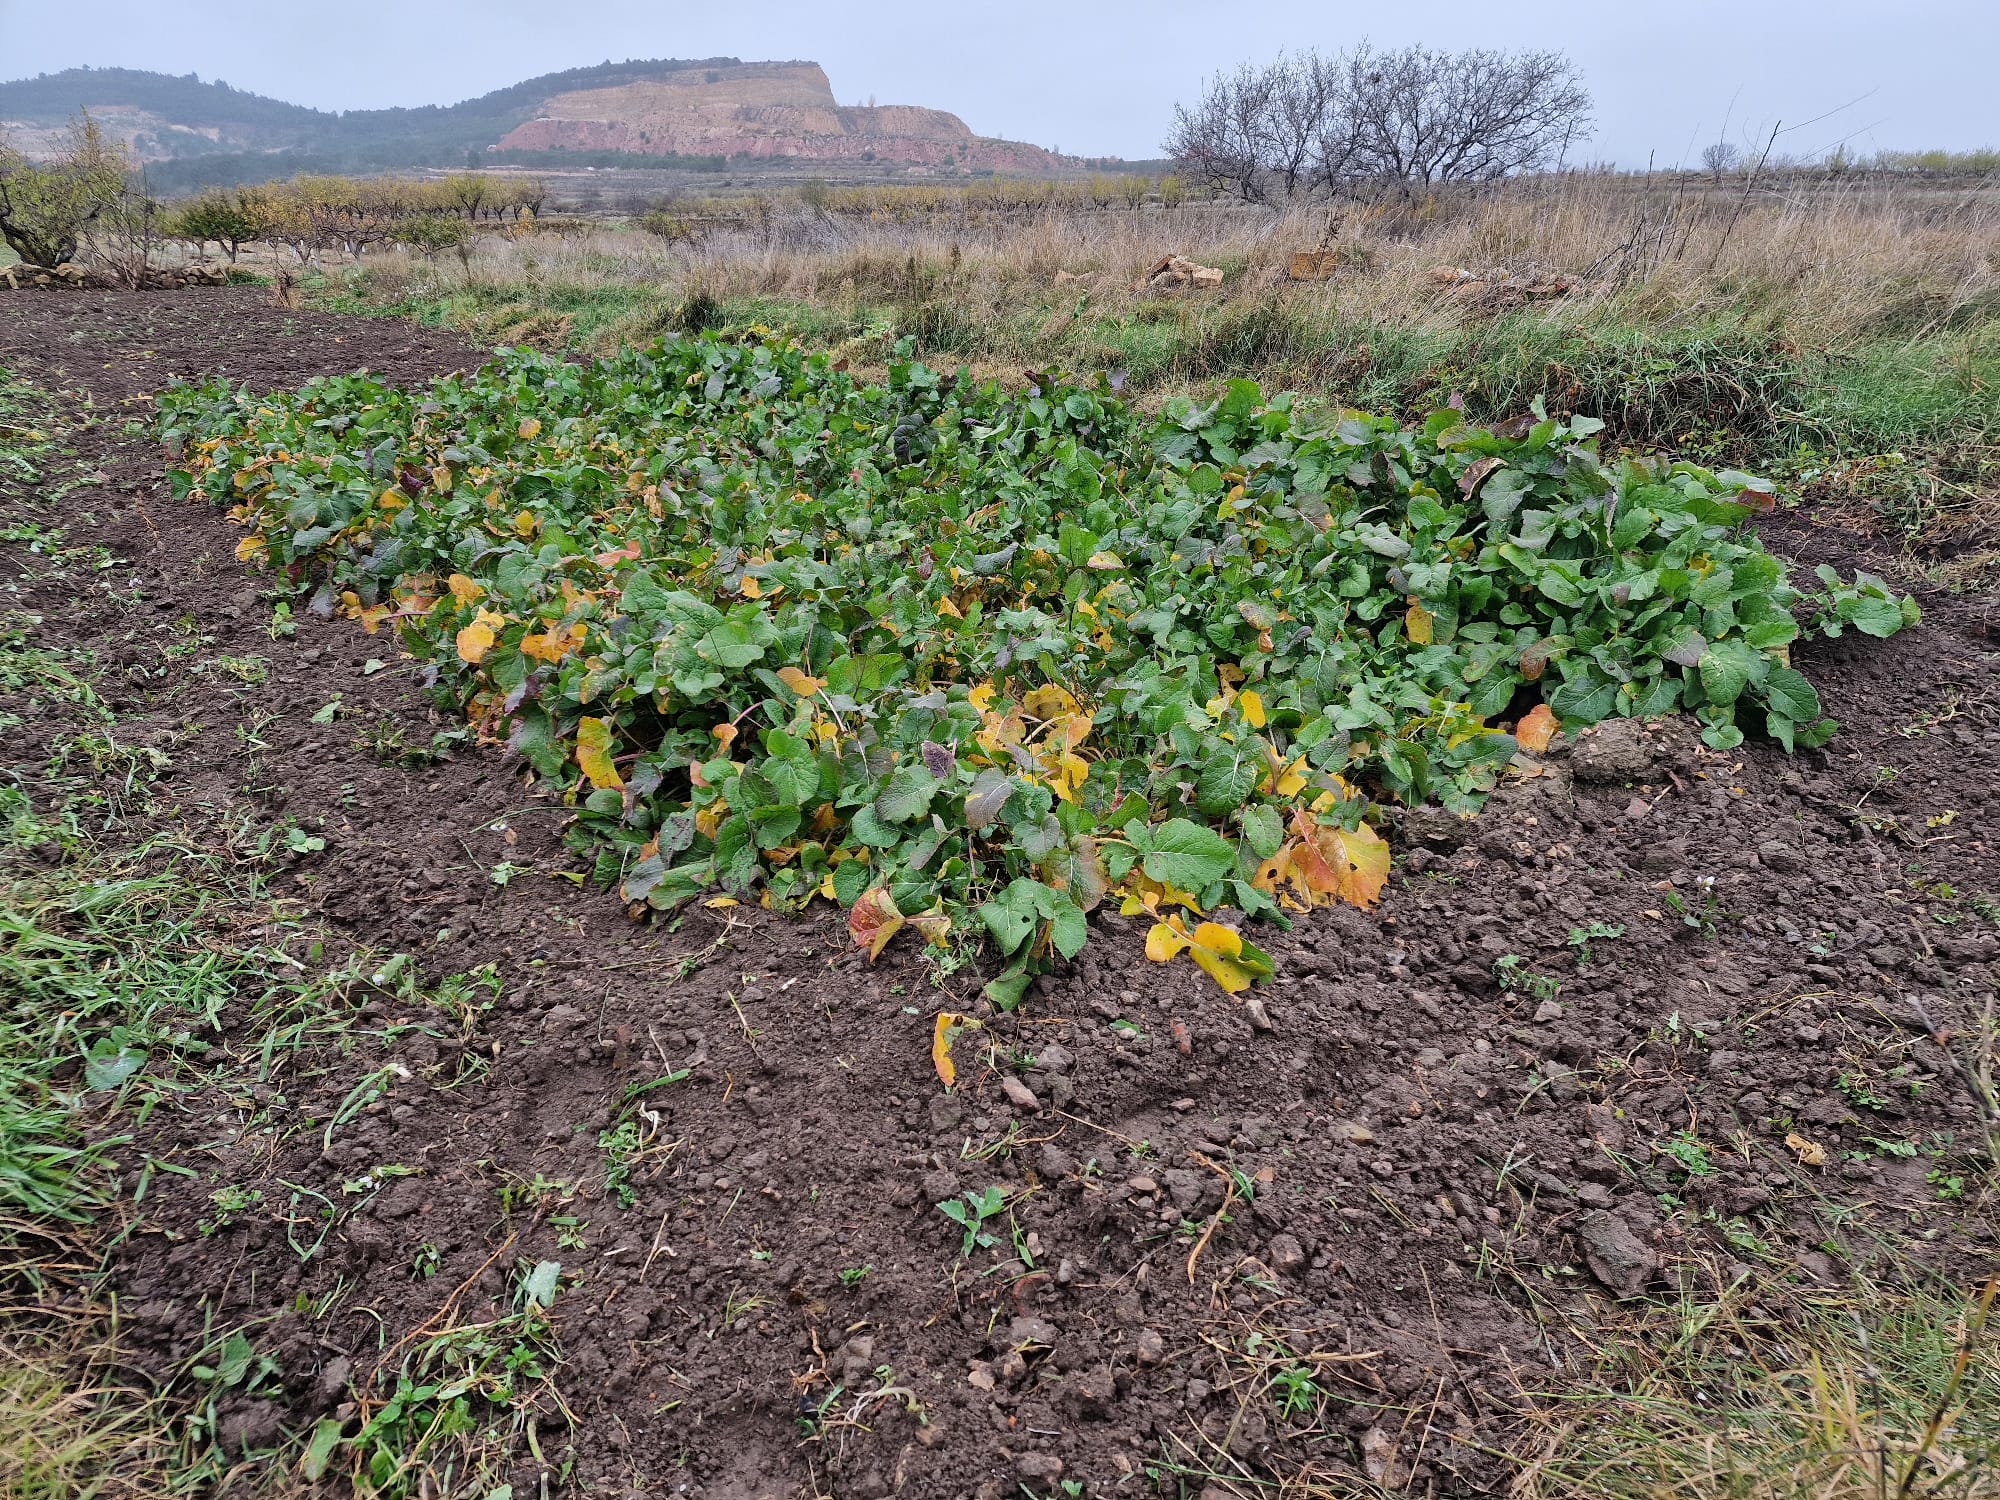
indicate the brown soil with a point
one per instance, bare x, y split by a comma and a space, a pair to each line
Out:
1446, 1174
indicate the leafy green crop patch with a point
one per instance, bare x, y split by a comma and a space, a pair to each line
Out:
973, 661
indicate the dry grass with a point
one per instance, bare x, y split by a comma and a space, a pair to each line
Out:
1762, 1395
1822, 265
71, 1431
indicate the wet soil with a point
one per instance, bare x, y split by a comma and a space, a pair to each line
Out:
1449, 1136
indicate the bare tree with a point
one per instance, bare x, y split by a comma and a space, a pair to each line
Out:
1720, 159
1309, 123
1221, 142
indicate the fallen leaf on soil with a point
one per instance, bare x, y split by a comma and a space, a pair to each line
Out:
942, 1035
1536, 729
1222, 952
873, 920
1810, 1152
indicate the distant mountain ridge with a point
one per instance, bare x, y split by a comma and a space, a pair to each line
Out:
191, 133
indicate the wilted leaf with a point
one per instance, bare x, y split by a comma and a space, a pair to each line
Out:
799, 682
539, 1287
1048, 701
1536, 729
1222, 953
593, 754
872, 921
1810, 1152
943, 1032
1468, 482
475, 640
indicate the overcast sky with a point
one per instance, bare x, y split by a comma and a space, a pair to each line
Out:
1094, 77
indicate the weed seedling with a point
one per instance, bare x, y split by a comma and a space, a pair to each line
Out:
1580, 939
970, 1213
853, 1276
1687, 1149
1512, 974
231, 1203
1296, 1391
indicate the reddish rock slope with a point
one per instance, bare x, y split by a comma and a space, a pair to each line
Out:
761, 110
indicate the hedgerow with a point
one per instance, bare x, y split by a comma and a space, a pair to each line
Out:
974, 660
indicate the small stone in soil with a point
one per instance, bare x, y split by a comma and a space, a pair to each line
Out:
1018, 1093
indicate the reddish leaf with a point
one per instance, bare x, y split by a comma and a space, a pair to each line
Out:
873, 921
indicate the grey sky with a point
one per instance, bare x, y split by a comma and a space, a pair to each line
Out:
1090, 76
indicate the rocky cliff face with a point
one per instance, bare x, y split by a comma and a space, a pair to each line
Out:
761, 110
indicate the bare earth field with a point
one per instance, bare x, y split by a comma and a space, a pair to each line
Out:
1361, 1249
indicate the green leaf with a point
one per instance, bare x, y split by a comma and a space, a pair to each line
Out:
1727, 668
907, 795
1226, 780
538, 1288
1011, 929
1874, 616
1263, 830
1186, 855
110, 1064
1069, 930
1787, 692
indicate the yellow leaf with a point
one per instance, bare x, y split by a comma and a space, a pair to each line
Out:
1225, 971
1166, 939
474, 641
799, 682
981, 697
726, 735
1810, 1152
1280, 779
530, 429
249, 547
525, 523
372, 617
1049, 700
1251, 706
1105, 562
464, 591
947, 609
1417, 624
943, 1031
441, 477
1070, 773
593, 754
1536, 729
751, 588
1367, 864
719, 902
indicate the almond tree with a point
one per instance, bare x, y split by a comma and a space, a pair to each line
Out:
1308, 123
46, 206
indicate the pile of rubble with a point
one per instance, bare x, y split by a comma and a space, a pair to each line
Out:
1171, 271
1498, 290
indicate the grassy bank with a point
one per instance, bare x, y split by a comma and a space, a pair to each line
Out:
161, 999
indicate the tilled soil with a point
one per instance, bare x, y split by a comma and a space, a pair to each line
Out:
1429, 1178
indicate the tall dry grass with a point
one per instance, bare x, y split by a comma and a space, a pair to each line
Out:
1823, 265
